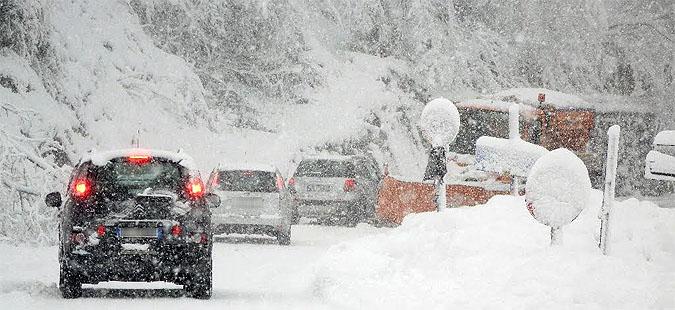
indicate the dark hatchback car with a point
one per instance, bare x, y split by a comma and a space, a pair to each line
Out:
135, 215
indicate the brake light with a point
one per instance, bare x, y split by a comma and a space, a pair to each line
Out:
291, 182
280, 183
81, 188
139, 159
195, 188
176, 230
350, 185
100, 230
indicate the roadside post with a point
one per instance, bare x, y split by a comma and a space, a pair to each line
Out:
558, 188
440, 125
613, 135
514, 134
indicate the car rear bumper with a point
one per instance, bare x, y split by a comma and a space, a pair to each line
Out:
275, 220
324, 208
171, 263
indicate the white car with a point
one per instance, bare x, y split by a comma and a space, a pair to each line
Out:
660, 162
254, 200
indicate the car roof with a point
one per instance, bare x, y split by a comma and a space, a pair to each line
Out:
246, 166
101, 158
666, 137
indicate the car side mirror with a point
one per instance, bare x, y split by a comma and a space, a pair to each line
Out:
212, 200
53, 200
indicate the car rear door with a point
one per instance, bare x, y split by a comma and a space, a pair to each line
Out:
323, 180
247, 193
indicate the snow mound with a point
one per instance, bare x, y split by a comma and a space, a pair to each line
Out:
440, 122
496, 256
558, 187
513, 155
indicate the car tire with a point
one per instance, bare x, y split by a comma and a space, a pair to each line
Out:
70, 283
284, 238
199, 283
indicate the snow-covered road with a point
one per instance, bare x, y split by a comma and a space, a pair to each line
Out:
249, 273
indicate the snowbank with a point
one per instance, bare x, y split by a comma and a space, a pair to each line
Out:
497, 256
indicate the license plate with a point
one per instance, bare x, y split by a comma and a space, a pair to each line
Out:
139, 232
318, 188
246, 202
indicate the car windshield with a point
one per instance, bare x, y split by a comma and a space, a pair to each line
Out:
120, 179
247, 181
665, 149
325, 168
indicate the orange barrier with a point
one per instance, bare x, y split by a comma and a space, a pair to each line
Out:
396, 198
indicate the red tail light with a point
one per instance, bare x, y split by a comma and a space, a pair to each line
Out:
195, 188
176, 230
291, 182
350, 185
100, 230
280, 183
81, 189
139, 159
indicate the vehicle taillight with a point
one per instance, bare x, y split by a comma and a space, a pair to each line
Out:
176, 230
81, 189
280, 183
100, 230
350, 185
139, 159
291, 182
195, 188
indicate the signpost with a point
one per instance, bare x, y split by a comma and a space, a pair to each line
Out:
557, 190
440, 125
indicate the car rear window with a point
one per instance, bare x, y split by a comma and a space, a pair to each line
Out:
120, 179
325, 168
247, 181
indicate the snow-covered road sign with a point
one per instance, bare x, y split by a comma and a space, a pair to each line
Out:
558, 188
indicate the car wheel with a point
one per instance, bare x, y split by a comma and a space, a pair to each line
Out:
284, 238
199, 283
70, 284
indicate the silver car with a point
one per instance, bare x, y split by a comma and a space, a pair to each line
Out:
254, 201
337, 189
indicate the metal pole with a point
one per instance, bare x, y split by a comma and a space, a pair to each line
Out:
610, 184
556, 235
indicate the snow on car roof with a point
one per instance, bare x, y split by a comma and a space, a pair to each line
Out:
101, 158
247, 166
666, 137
